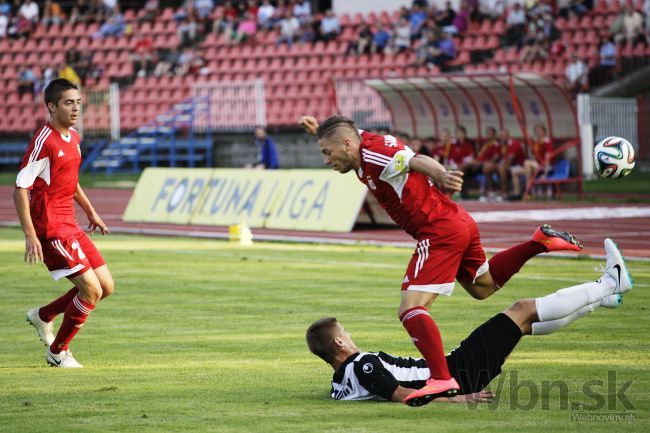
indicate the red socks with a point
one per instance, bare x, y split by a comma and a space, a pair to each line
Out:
75, 316
505, 264
58, 306
426, 337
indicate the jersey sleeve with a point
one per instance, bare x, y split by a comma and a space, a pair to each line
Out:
374, 377
36, 161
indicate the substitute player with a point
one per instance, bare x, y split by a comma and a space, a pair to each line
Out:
449, 246
46, 186
478, 359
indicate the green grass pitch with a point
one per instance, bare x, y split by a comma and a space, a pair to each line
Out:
208, 336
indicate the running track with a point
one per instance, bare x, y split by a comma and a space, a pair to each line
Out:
501, 224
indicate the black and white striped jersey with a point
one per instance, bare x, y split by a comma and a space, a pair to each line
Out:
376, 375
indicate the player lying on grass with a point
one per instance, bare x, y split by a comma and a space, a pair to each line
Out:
449, 244
478, 359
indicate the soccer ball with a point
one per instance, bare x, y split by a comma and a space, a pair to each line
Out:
614, 157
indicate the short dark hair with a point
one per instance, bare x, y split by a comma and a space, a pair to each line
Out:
332, 126
319, 338
56, 87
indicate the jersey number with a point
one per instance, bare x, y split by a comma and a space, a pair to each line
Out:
75, 246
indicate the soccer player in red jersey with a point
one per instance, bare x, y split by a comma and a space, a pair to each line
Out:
512, 157
449, 245
540, 149
46, 186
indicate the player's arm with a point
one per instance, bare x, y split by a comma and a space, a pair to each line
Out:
33, 249
94, 221
450, 180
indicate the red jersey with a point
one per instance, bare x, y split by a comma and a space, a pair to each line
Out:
453, 153
489, 151
539, 149
409, 198
50, 169
513, 151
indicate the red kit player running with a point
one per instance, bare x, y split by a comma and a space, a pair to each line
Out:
46, 186
449, 246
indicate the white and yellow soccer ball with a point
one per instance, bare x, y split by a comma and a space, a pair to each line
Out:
614, 157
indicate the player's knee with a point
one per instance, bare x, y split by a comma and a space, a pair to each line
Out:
108, 287
523, 307
92, 293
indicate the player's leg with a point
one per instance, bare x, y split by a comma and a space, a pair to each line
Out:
74, 317
430, 274
98, 264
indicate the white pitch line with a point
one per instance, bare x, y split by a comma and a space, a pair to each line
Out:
576, 214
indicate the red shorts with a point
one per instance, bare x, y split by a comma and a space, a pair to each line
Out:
439, 260
72, 256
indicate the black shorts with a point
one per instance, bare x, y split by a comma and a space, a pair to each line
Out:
478, 358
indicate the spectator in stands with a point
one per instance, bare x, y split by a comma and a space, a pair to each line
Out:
188, 30
540, 9
577, 75
646, 13
143, 55
268, 155
380, 40
491, 9
363, 42
80, 12
580, 7
246, 29
203, 8
461, 21
329, 26
114, 26
632, 27
417, 18
302, 10
512, 157
29, 11
515, 26
52, 13
402, 35
46, 77
538, 160
289, 28
265, 15
535, 46
446, 17
444, 52
252, 7
4, 24
150, 11
27, 82
5, 7
166, 63
606, 67
442, 150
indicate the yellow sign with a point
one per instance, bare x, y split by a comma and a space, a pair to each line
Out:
279, 199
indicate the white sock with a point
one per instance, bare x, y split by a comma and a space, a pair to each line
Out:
544, 328
564, 302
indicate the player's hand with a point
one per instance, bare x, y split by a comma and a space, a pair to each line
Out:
309, 124
485, 396
33, 250
94, 223
451, 180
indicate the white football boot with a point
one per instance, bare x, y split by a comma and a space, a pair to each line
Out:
64, 359
616, 267
43, 329
612, 301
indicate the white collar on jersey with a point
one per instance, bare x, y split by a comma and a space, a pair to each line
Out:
66, 138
